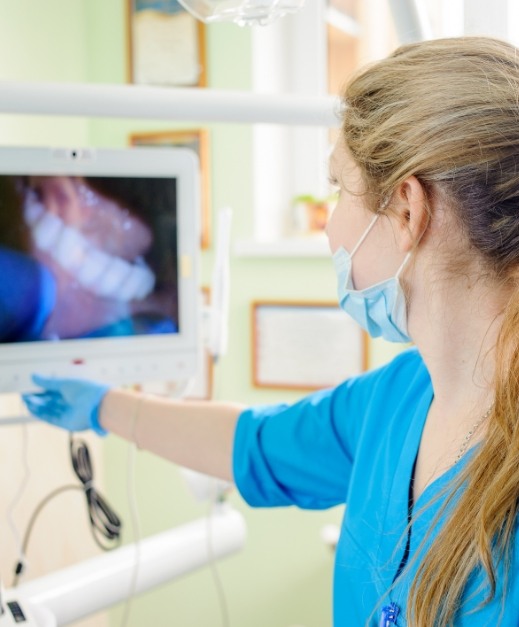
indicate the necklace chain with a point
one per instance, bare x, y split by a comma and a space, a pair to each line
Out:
469, 435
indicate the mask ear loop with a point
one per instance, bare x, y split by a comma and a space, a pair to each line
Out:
404, 263
366, 233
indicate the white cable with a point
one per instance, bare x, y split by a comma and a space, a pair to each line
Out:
211, 561
220, 287
23, 485
184, 388
216, 502
134, 513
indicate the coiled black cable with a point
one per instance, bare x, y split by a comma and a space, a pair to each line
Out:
103, 520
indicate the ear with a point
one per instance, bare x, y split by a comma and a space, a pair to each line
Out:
410, 213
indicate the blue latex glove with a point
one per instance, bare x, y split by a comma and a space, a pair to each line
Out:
72, 404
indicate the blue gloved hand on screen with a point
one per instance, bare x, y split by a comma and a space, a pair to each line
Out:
72, 404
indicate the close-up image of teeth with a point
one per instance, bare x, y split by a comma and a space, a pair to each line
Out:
95, 270
95, 244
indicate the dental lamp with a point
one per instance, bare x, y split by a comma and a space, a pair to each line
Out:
241, 12
409, 15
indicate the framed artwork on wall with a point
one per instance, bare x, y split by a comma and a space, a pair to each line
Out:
165, 45
304, 345
198, 141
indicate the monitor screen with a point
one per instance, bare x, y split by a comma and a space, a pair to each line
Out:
97, 253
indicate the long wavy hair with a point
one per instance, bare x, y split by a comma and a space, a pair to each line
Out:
447, 112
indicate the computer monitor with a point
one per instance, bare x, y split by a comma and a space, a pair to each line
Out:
98, 264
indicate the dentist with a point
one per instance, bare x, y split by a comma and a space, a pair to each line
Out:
424, 451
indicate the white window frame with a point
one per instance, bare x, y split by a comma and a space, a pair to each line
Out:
288, 57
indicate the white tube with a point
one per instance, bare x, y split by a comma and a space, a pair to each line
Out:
135, 101
95, 584
411, 21
220, 286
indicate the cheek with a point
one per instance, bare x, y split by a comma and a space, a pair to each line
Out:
339, 227
378, 258
347, 224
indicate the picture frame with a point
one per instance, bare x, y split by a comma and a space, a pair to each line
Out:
198, 141
166, 45
304, 345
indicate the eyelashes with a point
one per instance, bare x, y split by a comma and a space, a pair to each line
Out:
336, 188
333, 181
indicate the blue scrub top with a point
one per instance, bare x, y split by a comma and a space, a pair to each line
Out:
356, 445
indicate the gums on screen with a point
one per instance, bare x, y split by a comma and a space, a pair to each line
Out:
87, 257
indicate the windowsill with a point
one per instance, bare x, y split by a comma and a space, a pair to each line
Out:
311, 246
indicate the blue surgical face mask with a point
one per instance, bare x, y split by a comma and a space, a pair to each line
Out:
380, 309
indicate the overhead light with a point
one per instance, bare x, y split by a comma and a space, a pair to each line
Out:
241, 12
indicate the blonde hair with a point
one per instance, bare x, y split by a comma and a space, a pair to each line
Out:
447, 112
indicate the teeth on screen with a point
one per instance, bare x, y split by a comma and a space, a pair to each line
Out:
96, 271
70, 250
145, 282
114, 275
47, 231
93, 268
32, 211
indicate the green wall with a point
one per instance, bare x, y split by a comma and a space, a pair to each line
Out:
43, 41
283, 577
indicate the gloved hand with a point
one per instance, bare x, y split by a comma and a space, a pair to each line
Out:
72, 404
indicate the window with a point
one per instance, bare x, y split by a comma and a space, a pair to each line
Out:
312, 53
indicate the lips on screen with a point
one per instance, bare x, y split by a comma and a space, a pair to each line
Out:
87, 257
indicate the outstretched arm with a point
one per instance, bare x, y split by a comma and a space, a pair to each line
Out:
195, 434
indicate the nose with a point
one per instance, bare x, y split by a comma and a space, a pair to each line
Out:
334, 225
327, 228
331, 214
